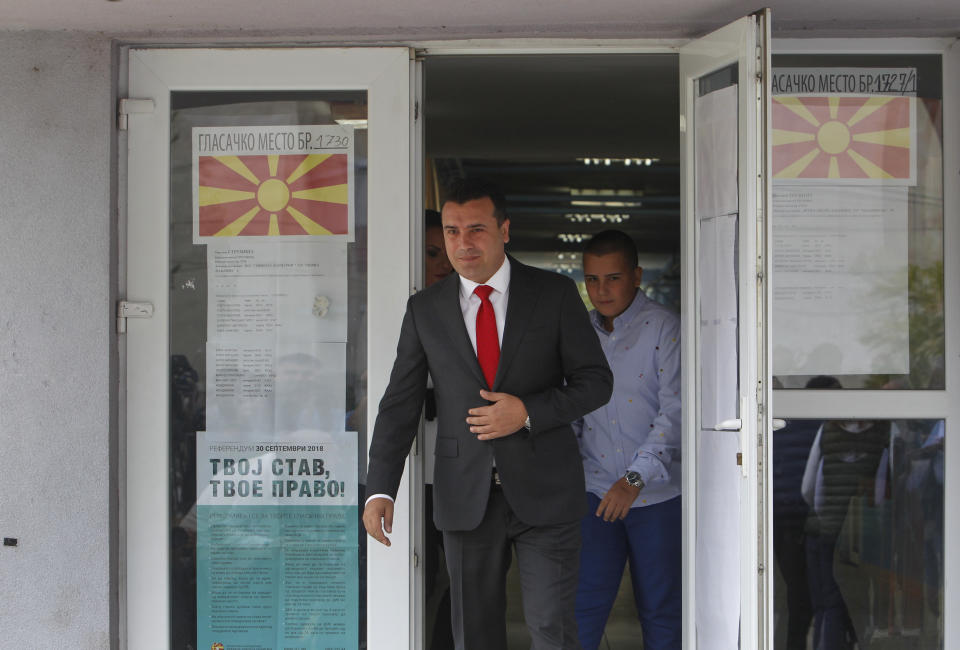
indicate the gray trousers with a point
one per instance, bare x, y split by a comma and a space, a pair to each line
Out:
548, 558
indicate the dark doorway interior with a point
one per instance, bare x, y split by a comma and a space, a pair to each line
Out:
579, 144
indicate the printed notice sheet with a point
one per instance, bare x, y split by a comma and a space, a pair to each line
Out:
844, 157
276, 336
719, 369
283, 292
265, 387
715, 142
277, 551
260, 183
717, 206
840, 280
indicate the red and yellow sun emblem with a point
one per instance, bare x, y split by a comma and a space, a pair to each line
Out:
840, 137
273, 195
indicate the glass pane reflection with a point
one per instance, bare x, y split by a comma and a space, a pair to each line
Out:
858, 534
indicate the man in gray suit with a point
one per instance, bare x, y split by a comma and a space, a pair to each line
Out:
514, 361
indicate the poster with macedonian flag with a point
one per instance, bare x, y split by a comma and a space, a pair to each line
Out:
273, 183
844, 139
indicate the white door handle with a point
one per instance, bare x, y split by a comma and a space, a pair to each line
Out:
734, 424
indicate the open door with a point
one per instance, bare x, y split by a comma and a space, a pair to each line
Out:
267, 190
724, 101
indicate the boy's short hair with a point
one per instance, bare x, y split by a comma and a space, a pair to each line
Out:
613, 241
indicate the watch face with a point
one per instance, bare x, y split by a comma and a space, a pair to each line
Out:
633, 478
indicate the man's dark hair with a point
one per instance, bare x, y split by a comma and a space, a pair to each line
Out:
613, 241
431, 219
461, 190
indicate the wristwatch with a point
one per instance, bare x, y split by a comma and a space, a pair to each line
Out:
526, 425
633, 478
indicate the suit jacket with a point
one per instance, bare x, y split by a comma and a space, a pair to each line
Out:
550, 358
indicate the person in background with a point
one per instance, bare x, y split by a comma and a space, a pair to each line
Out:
846, 460
436, 263
631, 453
791, 448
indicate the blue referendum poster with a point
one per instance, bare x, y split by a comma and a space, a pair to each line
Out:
277, 558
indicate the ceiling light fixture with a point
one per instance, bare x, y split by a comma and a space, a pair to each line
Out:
592, 192
607, 204
357, 124
580, 217
626, 162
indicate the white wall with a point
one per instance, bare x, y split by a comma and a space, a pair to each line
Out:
55, 339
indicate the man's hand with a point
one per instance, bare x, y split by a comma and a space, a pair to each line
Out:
377, 518
617, 501
506, 415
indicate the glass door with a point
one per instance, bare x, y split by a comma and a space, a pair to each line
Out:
724, 103
266, 191
864, 318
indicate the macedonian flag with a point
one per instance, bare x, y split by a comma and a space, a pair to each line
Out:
263, 195
837, 137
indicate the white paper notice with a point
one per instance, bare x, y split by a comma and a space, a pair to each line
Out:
261, 387
715, 142
717, 205
840, 280
283, 292
719, 368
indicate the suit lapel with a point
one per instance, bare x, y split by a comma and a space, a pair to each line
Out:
522, 302
452, 317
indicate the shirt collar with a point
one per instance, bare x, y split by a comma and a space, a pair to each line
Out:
627, 316
500, 281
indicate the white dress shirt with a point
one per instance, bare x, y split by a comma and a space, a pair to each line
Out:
470, 302
470, 305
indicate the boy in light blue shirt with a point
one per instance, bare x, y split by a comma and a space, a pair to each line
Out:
631, 453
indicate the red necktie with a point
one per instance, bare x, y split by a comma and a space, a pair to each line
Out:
488, 345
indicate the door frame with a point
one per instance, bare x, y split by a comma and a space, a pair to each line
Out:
153, 74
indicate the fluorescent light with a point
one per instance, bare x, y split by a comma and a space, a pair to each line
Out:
627, 162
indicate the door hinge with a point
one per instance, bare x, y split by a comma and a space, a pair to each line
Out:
129, 309
416, 560
416, 110
129, 106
